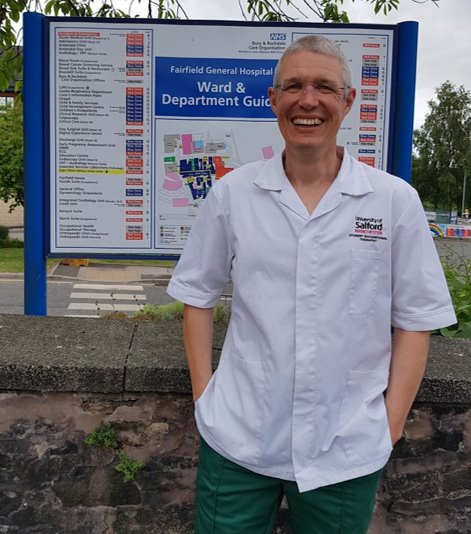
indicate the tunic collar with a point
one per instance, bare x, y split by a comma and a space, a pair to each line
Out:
351, 179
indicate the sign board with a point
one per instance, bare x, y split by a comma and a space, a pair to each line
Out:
145, 117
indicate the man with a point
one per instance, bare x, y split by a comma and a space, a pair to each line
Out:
325, 254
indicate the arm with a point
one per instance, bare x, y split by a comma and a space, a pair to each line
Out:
408, 360
198, 340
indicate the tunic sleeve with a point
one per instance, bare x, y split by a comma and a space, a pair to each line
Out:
420, 296
204, 266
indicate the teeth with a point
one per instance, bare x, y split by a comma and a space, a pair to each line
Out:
308, 122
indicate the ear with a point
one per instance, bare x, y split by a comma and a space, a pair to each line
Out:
272, 95
349, 100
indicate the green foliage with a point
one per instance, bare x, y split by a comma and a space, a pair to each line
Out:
222, 313
128, 467
443, 148
6, 242
103, 437
174, 311
12, 243
458, 276
10, 57
11, 154
170, 311
325, 10
3, 234
11, 260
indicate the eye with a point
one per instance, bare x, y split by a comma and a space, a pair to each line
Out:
325, 89
293, 87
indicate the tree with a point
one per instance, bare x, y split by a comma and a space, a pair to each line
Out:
443, 147
11, 154
259, 10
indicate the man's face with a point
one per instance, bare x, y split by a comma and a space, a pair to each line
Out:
307, 118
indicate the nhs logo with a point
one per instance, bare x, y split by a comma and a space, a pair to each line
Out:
277, 36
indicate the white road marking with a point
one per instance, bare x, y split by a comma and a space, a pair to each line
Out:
83, 316
99, 306
102, 298
107, 296
94, 287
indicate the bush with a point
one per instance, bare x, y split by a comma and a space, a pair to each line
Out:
458, 277
3, 235
6, 242
12, 243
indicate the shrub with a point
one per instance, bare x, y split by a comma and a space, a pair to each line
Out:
457, 271
3, 235
12, 243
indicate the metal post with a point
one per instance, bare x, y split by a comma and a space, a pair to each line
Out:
404, 105
35, 280
463, 201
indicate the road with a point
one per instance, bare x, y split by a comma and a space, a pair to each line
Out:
77, 298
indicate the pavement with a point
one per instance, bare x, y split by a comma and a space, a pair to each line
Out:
99, 272
116, 272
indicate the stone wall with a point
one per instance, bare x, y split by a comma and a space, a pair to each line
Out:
62, 378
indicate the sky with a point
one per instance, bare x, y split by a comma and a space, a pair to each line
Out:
444, 51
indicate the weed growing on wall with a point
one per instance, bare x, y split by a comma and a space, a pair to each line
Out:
128, 467
104, 437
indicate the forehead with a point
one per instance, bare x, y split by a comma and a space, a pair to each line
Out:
310, 65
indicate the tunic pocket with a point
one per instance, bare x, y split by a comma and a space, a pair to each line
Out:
231, 409
363, 425
364, 272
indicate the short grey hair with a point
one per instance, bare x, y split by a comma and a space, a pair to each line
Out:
317, 44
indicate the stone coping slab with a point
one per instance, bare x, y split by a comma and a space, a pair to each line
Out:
63, 353
118, 356
448, 374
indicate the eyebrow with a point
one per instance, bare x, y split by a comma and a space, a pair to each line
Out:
300, 80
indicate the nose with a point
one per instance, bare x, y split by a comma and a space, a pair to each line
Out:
309, 96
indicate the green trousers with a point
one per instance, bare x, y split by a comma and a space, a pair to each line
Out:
233, 500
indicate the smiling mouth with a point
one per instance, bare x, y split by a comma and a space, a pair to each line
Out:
298, 121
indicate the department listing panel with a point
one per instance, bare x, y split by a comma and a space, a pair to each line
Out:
101, 194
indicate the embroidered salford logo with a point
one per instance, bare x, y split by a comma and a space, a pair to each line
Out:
368, 229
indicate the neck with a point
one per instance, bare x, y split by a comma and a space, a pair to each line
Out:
309, 169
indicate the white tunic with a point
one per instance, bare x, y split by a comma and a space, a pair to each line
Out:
298, 393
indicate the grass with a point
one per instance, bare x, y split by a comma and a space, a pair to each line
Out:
11, 261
